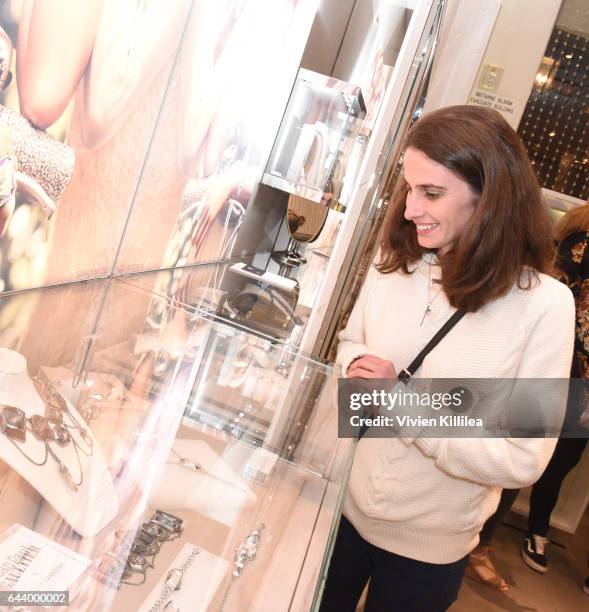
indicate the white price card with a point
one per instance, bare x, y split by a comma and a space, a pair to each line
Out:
32, 562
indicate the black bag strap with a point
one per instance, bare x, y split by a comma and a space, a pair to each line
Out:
406, 374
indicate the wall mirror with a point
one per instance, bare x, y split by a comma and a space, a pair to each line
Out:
305, 220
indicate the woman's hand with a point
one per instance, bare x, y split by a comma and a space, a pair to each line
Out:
371, 366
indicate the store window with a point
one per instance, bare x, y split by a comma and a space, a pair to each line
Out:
555, 122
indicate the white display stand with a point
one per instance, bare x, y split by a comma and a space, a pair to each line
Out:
95, 503
199, 582
215, 491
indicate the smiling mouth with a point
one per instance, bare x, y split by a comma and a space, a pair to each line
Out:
426, 228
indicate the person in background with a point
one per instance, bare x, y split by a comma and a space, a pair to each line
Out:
572, 263
467, 229
572, 268
480, 566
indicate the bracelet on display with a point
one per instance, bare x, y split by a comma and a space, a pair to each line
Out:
173, 583
161, 527
247, 551
111, 565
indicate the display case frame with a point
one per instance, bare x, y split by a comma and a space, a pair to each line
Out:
162, 400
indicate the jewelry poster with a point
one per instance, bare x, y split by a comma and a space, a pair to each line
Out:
227, 94
83, 87
157, 119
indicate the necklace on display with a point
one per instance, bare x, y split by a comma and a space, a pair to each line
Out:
52, 428
57, 407
14, 424
194, 466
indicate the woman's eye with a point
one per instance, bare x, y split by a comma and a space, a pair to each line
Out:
432, 196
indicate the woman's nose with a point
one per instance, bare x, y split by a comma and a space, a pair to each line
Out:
413, 207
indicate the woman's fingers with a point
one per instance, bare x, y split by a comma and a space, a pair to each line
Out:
373, 359
360, 372
367, 368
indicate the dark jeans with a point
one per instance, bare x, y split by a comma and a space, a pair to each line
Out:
396, 583
545, 491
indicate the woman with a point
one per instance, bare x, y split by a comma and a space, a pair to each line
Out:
572, 261
467, 229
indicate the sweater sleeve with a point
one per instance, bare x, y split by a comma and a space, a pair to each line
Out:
517, 462
352, 339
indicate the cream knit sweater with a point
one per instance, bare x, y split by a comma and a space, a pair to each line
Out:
427, 498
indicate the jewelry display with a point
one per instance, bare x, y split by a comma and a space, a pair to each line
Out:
247, 551
46, 442
56, 407
173, 583
48, 429
110, 567
244, 554
194, 466
161, 527
96, 390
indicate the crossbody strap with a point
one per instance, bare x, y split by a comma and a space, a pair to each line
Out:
406, 374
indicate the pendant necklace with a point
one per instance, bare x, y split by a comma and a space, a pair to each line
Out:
56, 409
51, 428
15, 424
194, 466
428, 308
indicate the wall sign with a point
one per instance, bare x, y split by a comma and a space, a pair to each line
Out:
507, 106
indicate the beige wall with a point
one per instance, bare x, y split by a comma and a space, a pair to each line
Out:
517, 44
460, 50
326, 35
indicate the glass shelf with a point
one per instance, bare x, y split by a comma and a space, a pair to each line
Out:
186, 436
317, 133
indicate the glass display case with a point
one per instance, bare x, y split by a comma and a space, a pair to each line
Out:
316, 135
165, 444
252, 299
156, 457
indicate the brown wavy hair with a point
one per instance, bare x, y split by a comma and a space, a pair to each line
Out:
509, 236
575, 220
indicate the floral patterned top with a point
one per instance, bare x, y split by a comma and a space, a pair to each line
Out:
572, 261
